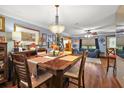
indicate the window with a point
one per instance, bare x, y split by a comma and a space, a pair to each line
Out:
88, 43
111, 42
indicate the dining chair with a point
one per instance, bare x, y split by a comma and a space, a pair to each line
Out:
12, 71
77, 71
23, 76
111, 55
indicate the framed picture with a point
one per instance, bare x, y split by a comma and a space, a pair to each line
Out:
28, 36
49, 38
2, 24
53, 38
44, 39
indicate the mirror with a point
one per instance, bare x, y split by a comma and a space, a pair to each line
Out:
24, 37
27, 35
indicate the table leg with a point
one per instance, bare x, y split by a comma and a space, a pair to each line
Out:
58, 79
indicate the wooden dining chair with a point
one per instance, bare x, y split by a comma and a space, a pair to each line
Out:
111, 56
77, 71
23, 75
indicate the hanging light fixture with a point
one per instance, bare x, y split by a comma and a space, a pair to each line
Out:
56, 28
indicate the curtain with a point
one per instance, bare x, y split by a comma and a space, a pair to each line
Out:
80, 44
97, 43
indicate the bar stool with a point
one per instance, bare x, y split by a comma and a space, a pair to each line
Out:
111, 55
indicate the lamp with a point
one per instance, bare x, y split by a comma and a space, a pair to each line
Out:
56, 28
16, 36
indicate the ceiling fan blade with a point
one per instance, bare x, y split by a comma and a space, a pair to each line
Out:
89, 31
119, 25
120, 31
94, 33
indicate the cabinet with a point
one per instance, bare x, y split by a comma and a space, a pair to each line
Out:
3, 62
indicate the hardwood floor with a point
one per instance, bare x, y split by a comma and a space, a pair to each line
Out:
95, 77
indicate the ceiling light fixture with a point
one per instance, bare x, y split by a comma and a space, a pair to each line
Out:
56, 28
88, 36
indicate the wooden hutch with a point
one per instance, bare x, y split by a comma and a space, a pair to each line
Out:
3, 62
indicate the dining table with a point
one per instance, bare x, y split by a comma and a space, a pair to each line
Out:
57, 65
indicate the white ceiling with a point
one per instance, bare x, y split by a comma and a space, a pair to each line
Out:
75, 18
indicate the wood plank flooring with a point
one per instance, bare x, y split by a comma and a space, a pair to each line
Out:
95, 77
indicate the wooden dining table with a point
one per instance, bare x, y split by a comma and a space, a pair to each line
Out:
55, 65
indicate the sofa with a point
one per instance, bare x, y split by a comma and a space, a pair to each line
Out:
120, 53
94, 54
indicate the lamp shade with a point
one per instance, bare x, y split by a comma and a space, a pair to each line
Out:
16, 36
56, 28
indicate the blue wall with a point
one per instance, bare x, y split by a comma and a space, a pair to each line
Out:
9, 27
76, 44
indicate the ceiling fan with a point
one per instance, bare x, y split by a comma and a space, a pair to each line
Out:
120, 29
90, 31
89, 34
120, 25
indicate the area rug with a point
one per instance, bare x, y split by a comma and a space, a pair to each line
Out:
93, 60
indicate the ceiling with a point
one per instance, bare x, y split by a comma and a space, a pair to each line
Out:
77, 19
120, 16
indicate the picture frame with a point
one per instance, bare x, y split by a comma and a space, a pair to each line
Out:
2, 24
28, 36
53, 38
44, 39
49, 38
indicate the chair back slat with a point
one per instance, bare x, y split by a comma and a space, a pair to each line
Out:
22, 77
20, 64
22, 73
111, 51
1, 56
21, 69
